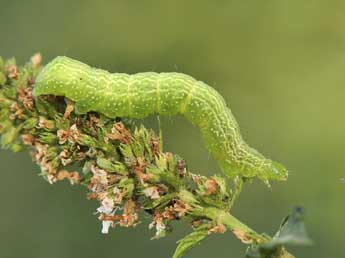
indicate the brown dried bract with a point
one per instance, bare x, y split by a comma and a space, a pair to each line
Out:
45, 123
74, 134
40, 151
80, 156
181, 208
92, 196
74, 177
62, 174
28, 139
25, 96
155, 144
130, 216
17, 110
12, 72
71, 135
139, 170
181, 167
119, 195
211, 186
152, 192
119, 132
51, 179
63, 135
196, 178
113, 218
36, 60
65, 157
158, 220
69, 109
47, 166
168, 213
243, 236
217, 229
93, 121
177, 210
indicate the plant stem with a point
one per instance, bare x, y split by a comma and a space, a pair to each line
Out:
242, 231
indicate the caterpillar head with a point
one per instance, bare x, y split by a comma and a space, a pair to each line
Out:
255, 165
273, 171
63, 77
264, 168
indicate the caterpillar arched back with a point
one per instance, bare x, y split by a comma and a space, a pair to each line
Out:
142, 94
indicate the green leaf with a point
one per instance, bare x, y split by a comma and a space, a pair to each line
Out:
291, 232
48, 138
190, 241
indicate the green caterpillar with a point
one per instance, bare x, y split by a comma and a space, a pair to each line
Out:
142, 94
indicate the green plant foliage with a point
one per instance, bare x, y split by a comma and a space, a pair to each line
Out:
291, 232
190, 241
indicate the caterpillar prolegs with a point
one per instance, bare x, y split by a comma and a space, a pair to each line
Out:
139, 95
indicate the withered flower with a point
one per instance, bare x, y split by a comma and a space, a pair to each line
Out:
45, 123
243, 236
36, 60
69, 109
152, 192
25, 97
217, 229
158, 223
28, 139
12, 72
65, 157
119, 132
211, 186
130, 215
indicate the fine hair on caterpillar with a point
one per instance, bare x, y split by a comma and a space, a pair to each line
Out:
142, 94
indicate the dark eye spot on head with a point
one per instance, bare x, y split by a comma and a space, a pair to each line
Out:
80, 78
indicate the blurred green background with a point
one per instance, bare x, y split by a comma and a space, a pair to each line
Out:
280, 66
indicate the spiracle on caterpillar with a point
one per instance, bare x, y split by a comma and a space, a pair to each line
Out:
142, 94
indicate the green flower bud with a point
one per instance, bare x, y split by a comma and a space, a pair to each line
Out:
44, 107
127, 184
55, 163
48, 138
86, 140
187, 197
87, 167
17, 147
5, 125
10, 136
30, 123
10, 92
109, 166
4, 114
52, 153
126, 151
4, 101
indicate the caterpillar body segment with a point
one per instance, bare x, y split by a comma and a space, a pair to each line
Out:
142, 94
